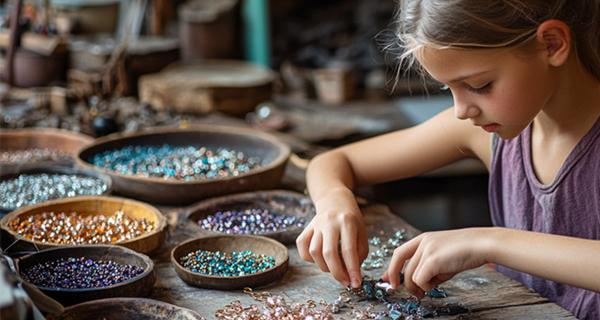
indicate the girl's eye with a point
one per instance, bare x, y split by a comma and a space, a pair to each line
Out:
444, 87
481, 89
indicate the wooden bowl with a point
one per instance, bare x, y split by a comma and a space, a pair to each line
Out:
126, 309
55, 169
96, 205
280, 201
253, 143
140, 285
258, 244
66, 141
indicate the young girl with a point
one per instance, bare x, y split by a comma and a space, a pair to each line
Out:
525, 78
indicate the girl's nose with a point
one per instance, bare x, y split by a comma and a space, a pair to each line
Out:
465, 111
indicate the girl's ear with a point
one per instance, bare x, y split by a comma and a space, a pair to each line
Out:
555, 38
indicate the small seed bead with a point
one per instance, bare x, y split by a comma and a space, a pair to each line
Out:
80, 273
250, 221
227, 264
75, 228
185, 163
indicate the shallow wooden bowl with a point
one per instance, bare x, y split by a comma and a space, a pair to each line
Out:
138, 286
96, 205
66, 141
253, 143
280, 201
126, 309
55, 169
258, 244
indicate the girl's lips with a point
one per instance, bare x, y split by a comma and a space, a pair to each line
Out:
490, 127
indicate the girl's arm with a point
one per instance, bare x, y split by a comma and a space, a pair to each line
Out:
332, 176
437, 256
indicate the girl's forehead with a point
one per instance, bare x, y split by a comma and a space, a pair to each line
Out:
446, 64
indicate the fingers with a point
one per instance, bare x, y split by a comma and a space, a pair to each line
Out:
303, 244
332, 257
316, 251
424, 274
350, 253
401, 254
409, 271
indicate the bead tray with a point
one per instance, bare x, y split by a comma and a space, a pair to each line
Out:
140, 285
55, 169
281, 201
56, 139
258, 244
126, 309
145, 243
253, 143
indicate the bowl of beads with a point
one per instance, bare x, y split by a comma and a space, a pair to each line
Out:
77, 274
126, 309
230, 262
277, 214
87, 221
33, 184
180, 166
39, 145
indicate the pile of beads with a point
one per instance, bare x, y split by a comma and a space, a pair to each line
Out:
28, 189
79, 273
75, 228
275, 308
250, 221
383, 248
185, 163
33, 155
223, 264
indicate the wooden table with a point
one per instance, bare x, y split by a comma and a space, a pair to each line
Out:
487, 293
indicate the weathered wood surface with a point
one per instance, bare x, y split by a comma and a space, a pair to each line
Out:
487, 293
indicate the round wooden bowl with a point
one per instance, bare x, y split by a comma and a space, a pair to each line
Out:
258, 244
126, 309
253, 143
279, 201
55, 169
138, 286
95, 205
66, 141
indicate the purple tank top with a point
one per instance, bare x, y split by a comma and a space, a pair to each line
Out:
569, 206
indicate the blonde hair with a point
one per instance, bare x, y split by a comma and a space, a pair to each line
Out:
495, 24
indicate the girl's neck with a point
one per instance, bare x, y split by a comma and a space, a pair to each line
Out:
575, 105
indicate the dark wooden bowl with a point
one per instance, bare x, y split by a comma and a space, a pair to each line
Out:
55, 169
280, 201
126, 309
96, 205
66, 141
258, 244
138, 286
253, 143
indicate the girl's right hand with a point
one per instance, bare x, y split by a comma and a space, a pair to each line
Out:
338, 219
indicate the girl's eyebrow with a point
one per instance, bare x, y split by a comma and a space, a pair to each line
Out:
461, 78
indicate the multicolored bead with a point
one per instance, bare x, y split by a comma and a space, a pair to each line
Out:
75, 228
250, 221
28, 189
186, 163
227, 264
79, 273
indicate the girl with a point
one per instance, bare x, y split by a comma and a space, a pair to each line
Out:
525, 78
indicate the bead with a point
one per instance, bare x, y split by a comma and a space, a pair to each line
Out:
250, 221
79, 273
28, 189
226, 264
185, 163
33, 155
75, 228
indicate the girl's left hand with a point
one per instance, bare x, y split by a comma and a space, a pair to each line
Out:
435, 257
